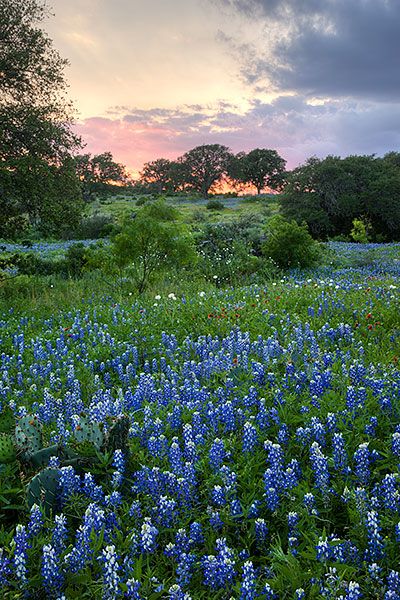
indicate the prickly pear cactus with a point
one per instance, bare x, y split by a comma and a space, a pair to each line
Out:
7, 420
28, 435
41, 457
43, 489
117, 435
89, 431
7, 448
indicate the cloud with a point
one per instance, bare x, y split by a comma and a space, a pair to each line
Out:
294, 126
330, 48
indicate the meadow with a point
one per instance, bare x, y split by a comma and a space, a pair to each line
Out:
205, 443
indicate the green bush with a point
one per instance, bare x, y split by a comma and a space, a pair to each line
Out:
75, 260
214, 205
289, 244
150, 241
94, 227
359, 233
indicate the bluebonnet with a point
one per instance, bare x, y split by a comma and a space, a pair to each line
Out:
114, 499
340, 458
59, 533
148, 536
36, 521
175, 592
362, 458
389, 494
293, 531
261, 530
353, 591
396, 444
165, 511
69, 482
184, 569
219, 570
90, 489
248, 584
196, 533
20, 554
110, 568
268, 592
133, 587
5, 568
319, 465
216, 521
370, 428
236, 508
393, 582
309, 503
117, 479
51, 572
218, 495
249, 438
375, 544
217, 454
323, 549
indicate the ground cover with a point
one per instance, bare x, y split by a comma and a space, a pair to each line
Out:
264, 441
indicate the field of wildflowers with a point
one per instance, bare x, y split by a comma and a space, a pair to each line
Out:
263, 452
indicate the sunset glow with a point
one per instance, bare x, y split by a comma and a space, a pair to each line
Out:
153, 79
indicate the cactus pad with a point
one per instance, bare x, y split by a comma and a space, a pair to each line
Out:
89, 431
28, 434
41, 457
117, 435
43, 489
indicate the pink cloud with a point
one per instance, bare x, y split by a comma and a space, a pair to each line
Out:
290, 125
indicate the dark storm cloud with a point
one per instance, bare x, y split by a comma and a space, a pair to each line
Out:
328, 47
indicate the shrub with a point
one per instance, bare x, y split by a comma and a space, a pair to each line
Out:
75, 260
214, 205
150, 241
359, 233
289, 244
94, 227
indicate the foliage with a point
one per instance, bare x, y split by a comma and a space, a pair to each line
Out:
35, 135
206, 166
359, 233
150, 241
262, 168
329, 194
94, 227
289, 244
163, 175
230, 251
215, 205
99, 174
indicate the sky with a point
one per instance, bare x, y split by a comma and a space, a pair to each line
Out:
155, 78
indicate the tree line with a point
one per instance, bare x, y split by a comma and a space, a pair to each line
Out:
45, 179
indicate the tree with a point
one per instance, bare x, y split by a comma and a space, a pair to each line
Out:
152, 240
35, 118
98, 173
329, 194
156, 174
262, 168
206, 165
